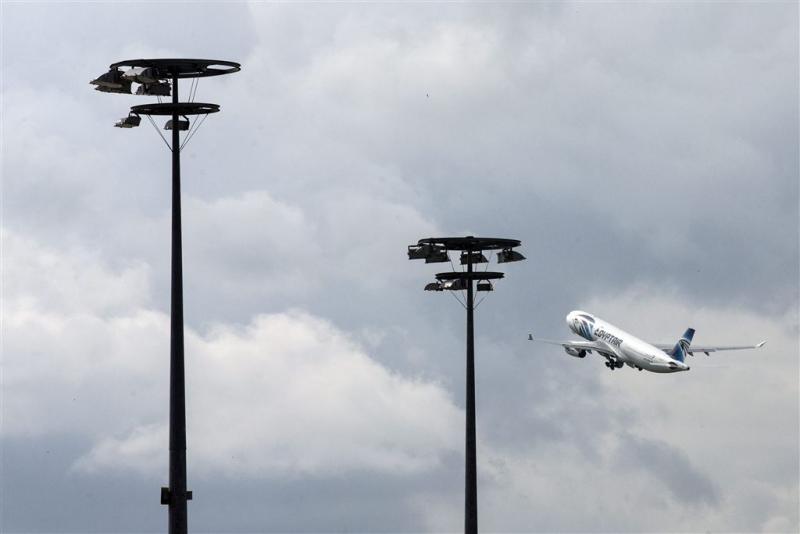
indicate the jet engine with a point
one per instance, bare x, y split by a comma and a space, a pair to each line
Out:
578, 353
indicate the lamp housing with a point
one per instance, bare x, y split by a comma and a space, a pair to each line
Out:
434, 286
131, 121
418, 252
146, 75
438, 255
183, 124
473, 257
154, 89
112, 82
454, 285
508, 255
124, 90
112, 79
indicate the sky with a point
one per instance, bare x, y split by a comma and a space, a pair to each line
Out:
645, 153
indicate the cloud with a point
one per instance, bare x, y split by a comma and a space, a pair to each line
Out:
670, 467
73, 281
289, 393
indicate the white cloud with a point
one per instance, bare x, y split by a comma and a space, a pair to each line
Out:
289, 393
312, 401
44, 280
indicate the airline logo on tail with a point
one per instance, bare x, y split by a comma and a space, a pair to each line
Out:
680, 349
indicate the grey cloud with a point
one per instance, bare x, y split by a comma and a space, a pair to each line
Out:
43, 494
669, 466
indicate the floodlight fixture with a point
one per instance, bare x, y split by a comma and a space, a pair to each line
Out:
507, 256
472, 249
123, 89
131, 121
454, 285
182, 124
430, 253
418, 252
145, 75
154, 89
112, 82
112, 79
473, 257
437, 255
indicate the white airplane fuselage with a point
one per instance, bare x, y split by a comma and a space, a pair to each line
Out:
626, 348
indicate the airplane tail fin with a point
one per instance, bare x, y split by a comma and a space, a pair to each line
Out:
678, 352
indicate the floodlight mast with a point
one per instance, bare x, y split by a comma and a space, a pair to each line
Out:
471, 454
176, 495
472, 249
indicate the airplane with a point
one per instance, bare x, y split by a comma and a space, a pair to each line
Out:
620, 348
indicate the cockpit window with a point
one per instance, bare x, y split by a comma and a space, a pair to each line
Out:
590, 319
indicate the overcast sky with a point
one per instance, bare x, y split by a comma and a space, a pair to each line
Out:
646, 155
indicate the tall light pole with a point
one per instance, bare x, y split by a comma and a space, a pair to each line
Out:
435, 250
159, 77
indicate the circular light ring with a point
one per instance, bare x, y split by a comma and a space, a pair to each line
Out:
181, 108
485, 275
471, 243
183, 68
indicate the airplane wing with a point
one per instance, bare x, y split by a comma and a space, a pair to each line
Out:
707, 349
578, 345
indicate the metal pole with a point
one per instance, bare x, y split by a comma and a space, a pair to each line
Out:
177, 388
471, 493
